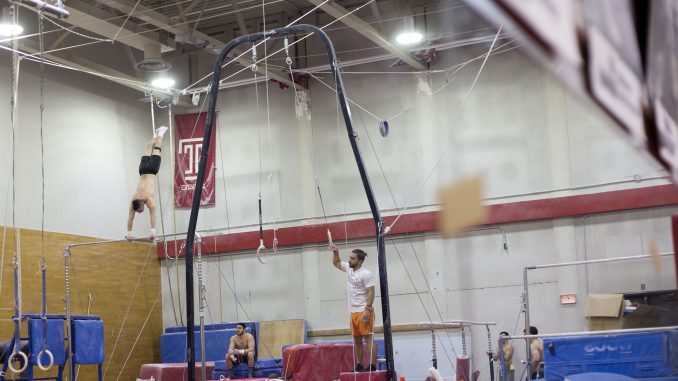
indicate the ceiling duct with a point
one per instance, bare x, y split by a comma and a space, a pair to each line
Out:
153, 60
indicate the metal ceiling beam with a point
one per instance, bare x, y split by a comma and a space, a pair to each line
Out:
93, 68
377, 15
337, 11
184, 11
161, 21
80, 63
91, 18
241, 20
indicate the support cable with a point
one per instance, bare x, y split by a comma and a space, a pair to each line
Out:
444, 153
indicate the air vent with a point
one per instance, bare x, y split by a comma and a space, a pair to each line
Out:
152, 60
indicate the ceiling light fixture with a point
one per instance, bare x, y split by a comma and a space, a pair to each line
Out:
162, 82
409, 35
9, 28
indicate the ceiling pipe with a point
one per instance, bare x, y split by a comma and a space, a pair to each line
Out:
55, 10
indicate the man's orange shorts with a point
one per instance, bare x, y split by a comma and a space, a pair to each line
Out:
359, 327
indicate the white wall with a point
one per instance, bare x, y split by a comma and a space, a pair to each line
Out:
520, 130
94, 133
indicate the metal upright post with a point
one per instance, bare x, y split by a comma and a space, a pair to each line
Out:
526, 303
434, 359
69, 332
201, 303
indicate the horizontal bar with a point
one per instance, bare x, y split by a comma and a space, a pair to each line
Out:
148, 239
453, 324
590, 333
596, 261
432, 325
144, 239
470, 322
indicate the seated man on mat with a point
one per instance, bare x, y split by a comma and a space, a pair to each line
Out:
240, 350
143, 195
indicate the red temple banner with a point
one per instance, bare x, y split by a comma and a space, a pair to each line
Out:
190, 129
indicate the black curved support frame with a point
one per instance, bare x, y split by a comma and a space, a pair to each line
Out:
379, 223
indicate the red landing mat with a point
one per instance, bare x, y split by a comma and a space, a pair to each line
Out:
172, 371
317, 362
250, 379
379, 375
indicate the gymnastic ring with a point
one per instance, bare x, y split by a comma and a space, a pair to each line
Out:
261, 246
51, 359
11, 358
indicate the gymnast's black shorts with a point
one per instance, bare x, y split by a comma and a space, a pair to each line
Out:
150, 165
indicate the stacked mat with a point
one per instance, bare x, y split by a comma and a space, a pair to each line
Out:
636, 355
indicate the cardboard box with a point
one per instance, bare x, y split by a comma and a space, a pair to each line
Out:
605, 311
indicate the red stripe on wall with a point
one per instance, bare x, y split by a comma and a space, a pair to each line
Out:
533, 210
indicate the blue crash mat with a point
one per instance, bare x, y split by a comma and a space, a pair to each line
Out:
88, 341
639, 355
55, 341
598, 376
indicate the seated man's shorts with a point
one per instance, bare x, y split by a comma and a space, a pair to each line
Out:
240, 359
150, 165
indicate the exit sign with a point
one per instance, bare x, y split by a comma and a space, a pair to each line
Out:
568, 298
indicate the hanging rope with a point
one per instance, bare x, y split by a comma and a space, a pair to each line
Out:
322, 205
288, 61
43, 262
261, 220
16, 260
172, 261
274, 243
261, 235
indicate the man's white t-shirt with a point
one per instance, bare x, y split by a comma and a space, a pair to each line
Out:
358, 282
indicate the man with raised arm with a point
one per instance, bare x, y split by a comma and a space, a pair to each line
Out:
148, 171
361, 293
240, 350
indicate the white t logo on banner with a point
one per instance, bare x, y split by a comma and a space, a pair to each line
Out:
188, 140
192, 147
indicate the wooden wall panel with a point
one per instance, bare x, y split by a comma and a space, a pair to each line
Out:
103, 282
273, 334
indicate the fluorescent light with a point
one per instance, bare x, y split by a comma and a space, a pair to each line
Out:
409, 34
163, 82
409, 38
7, 26
10, 30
